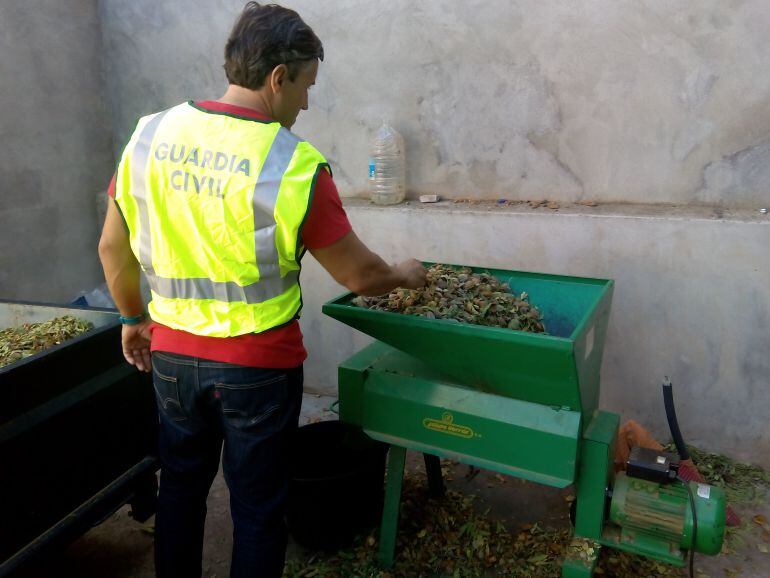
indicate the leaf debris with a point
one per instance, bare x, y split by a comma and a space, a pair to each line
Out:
451, 537
743, 483
19, 342
461, 295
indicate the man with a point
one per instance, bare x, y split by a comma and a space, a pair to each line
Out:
216, 202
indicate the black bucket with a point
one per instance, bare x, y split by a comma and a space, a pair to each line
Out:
336, 485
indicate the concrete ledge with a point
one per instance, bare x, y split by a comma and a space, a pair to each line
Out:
616, 210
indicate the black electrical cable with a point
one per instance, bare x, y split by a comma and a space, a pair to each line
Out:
681, 448
673, 423
694, 525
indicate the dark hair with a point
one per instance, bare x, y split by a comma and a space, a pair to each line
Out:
264, 37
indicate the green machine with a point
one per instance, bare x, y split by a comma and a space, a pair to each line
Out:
524, 405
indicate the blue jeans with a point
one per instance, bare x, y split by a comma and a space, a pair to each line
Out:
253, 411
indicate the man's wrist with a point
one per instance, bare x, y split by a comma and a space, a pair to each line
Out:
132, 320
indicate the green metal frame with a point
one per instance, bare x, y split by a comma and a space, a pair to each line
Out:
595, 474
438, 416
558, 369
400, 400
390, 510
594, 478
593, 481
517, 403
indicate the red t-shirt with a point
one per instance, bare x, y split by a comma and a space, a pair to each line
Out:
280, 347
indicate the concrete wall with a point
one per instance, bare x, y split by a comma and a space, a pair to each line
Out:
691, 301
57, 148
609, 100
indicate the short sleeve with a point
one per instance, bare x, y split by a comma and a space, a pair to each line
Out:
111, 189
326, 222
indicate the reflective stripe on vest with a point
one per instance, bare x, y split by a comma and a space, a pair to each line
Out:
227, 262
271, 284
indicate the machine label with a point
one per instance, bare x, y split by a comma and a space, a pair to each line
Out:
589, 342
446, 425
704, 491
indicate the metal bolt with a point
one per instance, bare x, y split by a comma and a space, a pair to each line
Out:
763, 211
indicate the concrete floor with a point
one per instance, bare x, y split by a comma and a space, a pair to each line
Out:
122, 548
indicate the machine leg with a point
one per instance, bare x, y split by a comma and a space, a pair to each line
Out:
435, 479
389, 527
594, 476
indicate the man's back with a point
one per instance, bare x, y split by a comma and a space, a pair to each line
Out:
217, 202
214, 204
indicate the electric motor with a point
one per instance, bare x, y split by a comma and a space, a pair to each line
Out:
649, 509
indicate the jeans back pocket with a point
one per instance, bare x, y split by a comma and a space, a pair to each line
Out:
167, 395
250, 400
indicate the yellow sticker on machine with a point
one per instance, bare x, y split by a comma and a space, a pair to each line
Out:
446, 425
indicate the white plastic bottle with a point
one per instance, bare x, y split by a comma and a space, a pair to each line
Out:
387, 166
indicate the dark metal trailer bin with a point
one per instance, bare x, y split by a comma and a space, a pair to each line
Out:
78, 430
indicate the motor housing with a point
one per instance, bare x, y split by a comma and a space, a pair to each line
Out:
653, 511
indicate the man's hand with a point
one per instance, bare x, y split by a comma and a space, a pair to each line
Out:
136, 345
413, 272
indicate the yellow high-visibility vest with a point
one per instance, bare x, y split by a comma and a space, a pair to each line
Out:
214, 205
